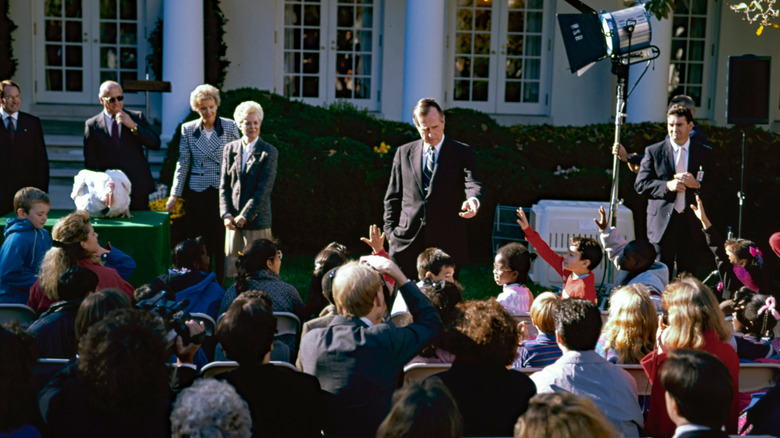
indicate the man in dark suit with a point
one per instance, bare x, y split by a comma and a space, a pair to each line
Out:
115, 139
25, 162
357, 357
424, 204
671, 174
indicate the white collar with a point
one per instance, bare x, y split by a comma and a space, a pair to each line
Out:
367, 321
677, 147
688, 428
436, 147
6, 115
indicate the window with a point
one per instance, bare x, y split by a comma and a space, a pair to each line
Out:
692, 54
330, 51
500, 55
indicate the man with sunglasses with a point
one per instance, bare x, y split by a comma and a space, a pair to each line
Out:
115, 139
25, 162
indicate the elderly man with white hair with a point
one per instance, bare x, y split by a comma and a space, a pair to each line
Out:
116, 138
246, 181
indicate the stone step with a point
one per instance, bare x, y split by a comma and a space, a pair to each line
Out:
59, 194
72, 157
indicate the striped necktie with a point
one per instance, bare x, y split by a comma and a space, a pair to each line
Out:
428, 168
11, 128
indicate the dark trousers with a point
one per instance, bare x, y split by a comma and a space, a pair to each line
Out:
203, 220
407, 259
683, 242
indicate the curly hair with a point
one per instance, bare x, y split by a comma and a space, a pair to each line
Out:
562, 414
210, 409
632, 324
519, 259
589, 250
17, 358
254, 258
482, 330
202, 92
692, 308
424, 409
244, 109
67, 235
122, 361
746, 306
246, 331
97, 305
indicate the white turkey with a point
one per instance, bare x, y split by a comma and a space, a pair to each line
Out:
102, 194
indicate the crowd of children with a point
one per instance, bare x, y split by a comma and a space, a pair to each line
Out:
677, 331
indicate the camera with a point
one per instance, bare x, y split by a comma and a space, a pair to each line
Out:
174, 317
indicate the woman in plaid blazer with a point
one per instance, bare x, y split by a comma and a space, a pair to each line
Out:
197, 172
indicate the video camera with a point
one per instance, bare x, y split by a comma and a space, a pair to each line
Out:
173, 315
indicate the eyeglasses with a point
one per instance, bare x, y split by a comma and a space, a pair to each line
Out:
279, 253
12, 97
113, 99
499, 268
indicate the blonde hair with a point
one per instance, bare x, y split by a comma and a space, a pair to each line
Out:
692, 309
563, 415
632, 324
244, 109
543, 311
355, 288
67, 235
202, 92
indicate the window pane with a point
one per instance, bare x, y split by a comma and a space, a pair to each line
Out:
534, 22
128, 33
73, 8
53, 30
53, 55
363, 41
129, 58
292, 14
514, 45
699, 7
311, 86
482, 20
481, 67
697, 51
514, 67
344, 64
531, 92
54, 80
464, 20
73, 80
462, 42
678, 50
311, 62
480, 91
73, 31
108, 75
695, 94
698, 27
465, 3
680, 27
516, 4
343, 87
695, 73
292, 39
73, 56
292, 62
681, 8
364, 17
108, 58
462, 67
363, 65
533, 45
311, 38
311, 16
108, 9
345, 18
535, 4
345, 40
362, 88
53, 8
481, 43
515, 21
462, 90
292, 86
128, 9
532, 69
512, 92
108, 33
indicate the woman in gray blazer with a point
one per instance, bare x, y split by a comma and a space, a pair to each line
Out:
246, 181
197, 172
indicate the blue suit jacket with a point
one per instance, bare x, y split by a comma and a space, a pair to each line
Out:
656, 169
360, 365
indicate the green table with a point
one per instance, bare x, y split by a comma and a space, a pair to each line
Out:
145, 237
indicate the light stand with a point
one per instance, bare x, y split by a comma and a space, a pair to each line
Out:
741, 192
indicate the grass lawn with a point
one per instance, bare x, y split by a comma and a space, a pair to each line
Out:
476, 278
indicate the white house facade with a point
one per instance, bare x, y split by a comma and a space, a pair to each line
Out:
502, 57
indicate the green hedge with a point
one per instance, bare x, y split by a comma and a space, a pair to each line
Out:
331, 182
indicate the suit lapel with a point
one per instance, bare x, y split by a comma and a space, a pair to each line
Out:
415, 162
206, 147
668, 157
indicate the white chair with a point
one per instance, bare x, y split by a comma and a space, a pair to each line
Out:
208, 322
213, 368
287, 323
756, 376
20, 313
417, 372
643, 385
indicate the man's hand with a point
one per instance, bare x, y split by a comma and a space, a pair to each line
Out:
375, 239
229, 222
602, 221
675, 185
620, 151
634, 167
469, 208
123, 118
186, 353
171, 204
688, 179
698, 210
240, 221
522, 220
385, 266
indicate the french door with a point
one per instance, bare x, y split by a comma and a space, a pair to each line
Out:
81, 43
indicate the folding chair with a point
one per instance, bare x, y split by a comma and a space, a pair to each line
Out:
643, 385
20, 313
757, 376
208, 322
417, 372
287, 324
213, 368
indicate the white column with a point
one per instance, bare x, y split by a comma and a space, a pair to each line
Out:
648, 101
423, 53
183, 59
